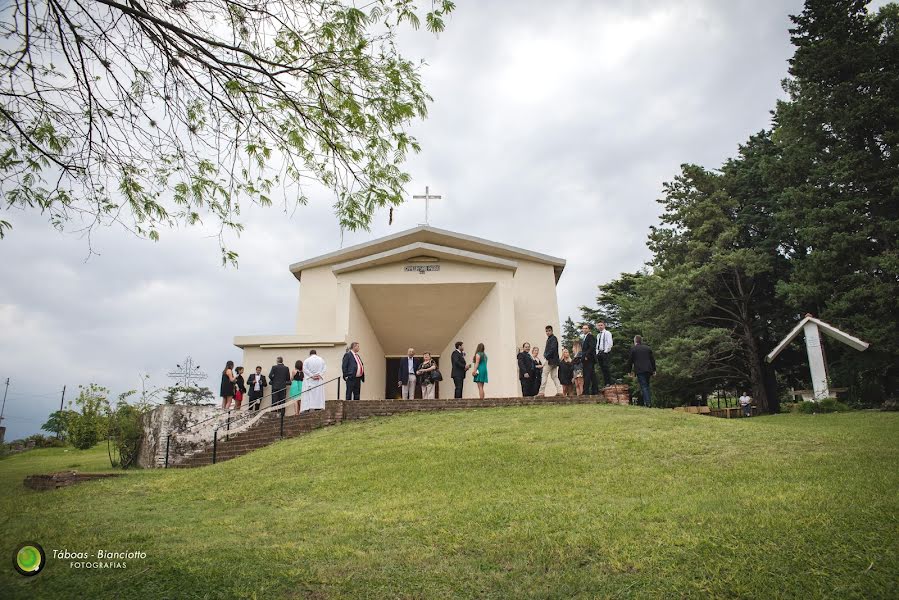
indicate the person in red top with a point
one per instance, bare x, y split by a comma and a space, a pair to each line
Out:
353, 371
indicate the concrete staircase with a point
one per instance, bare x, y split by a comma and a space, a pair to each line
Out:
264, 432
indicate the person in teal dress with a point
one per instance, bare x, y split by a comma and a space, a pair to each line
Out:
296, 385
480, 369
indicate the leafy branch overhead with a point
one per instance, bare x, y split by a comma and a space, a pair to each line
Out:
151, 113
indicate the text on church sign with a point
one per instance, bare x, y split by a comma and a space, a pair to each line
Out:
422, 268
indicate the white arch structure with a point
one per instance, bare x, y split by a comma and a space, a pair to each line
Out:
812, 327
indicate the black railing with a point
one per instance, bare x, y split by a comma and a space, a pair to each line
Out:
248, 415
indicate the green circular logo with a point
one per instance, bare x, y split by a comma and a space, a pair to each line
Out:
29, 559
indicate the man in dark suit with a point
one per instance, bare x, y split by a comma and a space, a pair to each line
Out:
459, 368
643, 363
551, 369
406, 379
256, 384
279, 378
353, 372
526, 369
588, 343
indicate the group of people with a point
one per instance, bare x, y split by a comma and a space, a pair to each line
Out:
572, 371
424, 372
285, 384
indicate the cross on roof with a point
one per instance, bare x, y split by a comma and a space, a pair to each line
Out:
427, 197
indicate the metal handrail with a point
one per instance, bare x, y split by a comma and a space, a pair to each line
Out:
256, 415
227, 412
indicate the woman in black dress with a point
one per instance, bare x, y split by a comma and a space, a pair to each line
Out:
538, 371
227, 387
240, 388
566, 372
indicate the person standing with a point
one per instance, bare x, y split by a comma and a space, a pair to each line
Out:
459, 368
240, 388
314, 379
279, 378
643, 363
353, 372
746, 404
588, 343
578, 362
603, 348
525, 369
296, 385
551, 369
406, 380
424, 371
480, 369
256, 383
227, 387
566, 372
538, 371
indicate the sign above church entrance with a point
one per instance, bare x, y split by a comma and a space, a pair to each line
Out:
422, 268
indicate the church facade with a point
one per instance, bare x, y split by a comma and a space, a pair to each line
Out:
424, 288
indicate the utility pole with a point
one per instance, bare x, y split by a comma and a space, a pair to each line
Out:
61, 400
2, 408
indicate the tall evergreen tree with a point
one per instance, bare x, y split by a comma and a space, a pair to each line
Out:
839, 132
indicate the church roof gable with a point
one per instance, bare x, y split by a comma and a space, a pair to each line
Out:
428, 237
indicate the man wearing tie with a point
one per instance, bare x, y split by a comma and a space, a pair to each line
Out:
353, 372
603, 347
408, 366
588, 343
459, 368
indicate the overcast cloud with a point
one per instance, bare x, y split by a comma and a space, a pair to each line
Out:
553, 128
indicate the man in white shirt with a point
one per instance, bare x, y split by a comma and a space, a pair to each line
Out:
603, 347
746, 404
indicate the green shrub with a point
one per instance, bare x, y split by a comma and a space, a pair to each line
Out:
89, 426
126, 430
827, 405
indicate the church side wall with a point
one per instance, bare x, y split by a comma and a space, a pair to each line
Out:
265, 357
493, 323
536, 305
318, 302
360, 330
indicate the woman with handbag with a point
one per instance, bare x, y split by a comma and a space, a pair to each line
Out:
480, 369
425, 376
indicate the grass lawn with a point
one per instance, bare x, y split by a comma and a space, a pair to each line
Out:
542, 502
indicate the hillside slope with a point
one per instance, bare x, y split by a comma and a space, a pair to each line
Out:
542, 502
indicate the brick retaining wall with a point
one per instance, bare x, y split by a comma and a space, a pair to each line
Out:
51, 481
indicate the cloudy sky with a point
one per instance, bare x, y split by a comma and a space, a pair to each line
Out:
553, 128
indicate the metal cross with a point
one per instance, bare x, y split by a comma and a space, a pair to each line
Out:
427, 198
187, 374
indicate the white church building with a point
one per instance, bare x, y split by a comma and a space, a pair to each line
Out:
424, 288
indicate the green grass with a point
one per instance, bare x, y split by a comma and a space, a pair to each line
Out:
548, 502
